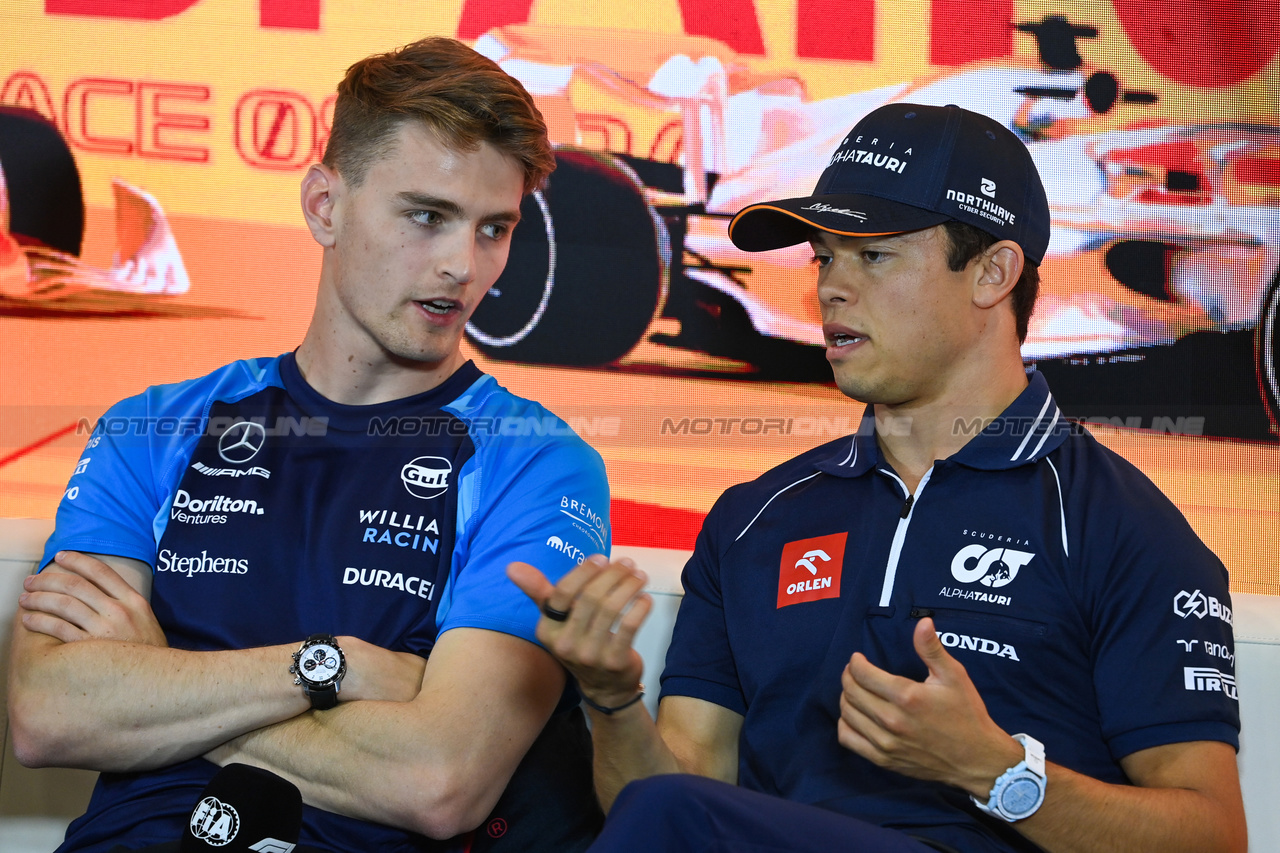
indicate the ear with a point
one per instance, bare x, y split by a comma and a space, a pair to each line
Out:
322, 190
998, 270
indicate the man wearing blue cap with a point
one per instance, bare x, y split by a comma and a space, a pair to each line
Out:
968, 627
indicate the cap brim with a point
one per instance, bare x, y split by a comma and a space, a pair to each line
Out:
775, 224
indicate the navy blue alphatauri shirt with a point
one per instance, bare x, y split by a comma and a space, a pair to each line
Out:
1087, 612
270, 513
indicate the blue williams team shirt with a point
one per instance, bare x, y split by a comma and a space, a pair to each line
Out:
270, 513
1085, 609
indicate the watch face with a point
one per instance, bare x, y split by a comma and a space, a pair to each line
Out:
319, 663
1021, 796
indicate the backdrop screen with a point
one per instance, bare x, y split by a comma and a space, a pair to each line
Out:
151, 152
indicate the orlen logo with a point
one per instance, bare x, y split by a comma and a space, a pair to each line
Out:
810, 569
1199, 605
564, 547
427, 476
994, 568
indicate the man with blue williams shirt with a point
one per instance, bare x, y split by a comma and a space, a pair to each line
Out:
329, 529
969, 626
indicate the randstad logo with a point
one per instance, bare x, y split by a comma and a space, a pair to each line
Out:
427, 476
994, 568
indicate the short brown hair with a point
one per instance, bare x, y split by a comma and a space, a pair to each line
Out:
967, 242
462, 96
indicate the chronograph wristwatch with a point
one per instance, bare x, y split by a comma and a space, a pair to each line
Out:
318, 667
1020, 791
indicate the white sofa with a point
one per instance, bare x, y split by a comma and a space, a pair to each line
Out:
61, 794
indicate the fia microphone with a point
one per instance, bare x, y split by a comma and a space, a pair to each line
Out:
245, 808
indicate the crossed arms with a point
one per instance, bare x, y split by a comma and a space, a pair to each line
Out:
427, 746
1184, 797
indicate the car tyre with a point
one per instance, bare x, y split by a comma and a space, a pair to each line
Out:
1267, 351
586, 271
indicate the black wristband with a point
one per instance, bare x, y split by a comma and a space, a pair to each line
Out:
603, 710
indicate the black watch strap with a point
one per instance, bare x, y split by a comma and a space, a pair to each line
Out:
323, 698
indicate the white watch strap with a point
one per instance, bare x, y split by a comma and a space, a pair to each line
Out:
1033, 763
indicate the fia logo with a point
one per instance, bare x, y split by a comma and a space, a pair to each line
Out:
214, 822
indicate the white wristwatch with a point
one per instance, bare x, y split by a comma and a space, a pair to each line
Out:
1020, 791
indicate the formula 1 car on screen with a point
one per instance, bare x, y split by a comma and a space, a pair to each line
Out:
42, 228
1159, 231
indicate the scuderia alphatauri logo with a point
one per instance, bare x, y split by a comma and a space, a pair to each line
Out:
989, 567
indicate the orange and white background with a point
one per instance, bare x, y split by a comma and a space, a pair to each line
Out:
1154, 325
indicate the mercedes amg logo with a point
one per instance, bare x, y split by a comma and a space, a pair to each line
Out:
241, 442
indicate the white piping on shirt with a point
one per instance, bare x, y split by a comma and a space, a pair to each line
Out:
766, 503
900, 536
1062, 509
1057, 413
1040, 417
852, 458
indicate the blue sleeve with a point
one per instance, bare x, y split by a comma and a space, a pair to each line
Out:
700, 661
116, 497
1163, 649
544, 502
117, 501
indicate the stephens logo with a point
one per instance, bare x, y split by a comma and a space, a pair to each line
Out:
215, 822
427, 476
170, 561
810, 569
995, 568
241, 442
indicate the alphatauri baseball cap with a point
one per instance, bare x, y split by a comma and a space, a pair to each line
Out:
908, 166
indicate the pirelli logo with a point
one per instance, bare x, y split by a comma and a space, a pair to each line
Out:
1210, 680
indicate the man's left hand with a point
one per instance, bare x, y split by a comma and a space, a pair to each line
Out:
937, 729
80, 597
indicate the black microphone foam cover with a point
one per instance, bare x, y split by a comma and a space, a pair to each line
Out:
245, 808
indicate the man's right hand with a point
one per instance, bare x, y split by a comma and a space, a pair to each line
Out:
606, 605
